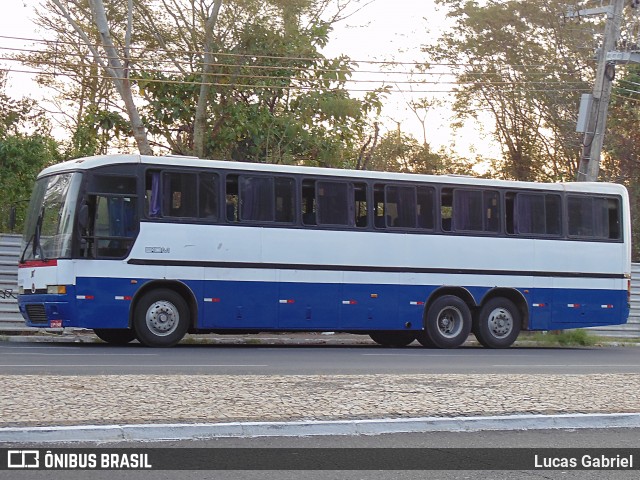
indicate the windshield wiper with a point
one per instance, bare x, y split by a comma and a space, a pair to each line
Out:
35, 238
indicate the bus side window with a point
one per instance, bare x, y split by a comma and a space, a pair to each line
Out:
179, 195
231, 196
285, 199
613, 208
360, 202
152, 188
257, 199
593, 217
309, 202
446, 209
334, 207
378, 206
208, 196
426, 203
400, 204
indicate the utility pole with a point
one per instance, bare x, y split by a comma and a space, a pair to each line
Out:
596, 121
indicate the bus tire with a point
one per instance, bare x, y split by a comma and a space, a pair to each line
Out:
393, 339
448, 323
498, 323
161, 318
115, 336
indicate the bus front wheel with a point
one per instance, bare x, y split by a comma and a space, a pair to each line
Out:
448, 323
497, 324
115, 336
161, 318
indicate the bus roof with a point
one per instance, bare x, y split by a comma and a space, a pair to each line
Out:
89, 163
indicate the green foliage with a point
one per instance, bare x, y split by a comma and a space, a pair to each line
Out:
565, 338
621, 161
273, 96
398, 152
21, 159
520, 63
25, 148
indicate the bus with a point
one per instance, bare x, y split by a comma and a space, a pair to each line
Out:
151, 248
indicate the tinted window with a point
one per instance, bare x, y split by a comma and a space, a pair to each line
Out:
179, 194
333, 203
470, 210
593, 217
467, 210
404, 206
208, 196
538, 214
257, 199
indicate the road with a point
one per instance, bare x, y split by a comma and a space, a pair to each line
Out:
101, 359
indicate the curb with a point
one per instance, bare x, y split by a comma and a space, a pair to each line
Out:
203, 431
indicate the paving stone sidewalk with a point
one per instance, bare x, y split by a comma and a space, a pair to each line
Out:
32, 400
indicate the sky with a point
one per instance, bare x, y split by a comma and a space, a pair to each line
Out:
383, 30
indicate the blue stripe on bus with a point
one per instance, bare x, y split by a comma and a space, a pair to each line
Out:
106, 302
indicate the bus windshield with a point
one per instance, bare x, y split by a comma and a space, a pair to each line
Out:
48, 232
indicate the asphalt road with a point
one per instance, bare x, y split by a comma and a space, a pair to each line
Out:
93, 359
536, 440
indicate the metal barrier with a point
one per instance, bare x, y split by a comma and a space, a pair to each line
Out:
9, 254
632, 327
10, 317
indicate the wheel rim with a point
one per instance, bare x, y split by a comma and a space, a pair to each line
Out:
162, 318
500, 322
450, 322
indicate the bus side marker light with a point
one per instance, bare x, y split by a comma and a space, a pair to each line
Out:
85, 297
606, 306
286, 301
212, 300
349, 302
416, 303
573, 305
541, 305
120, 297
374, 295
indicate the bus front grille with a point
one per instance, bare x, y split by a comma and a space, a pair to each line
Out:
36, 313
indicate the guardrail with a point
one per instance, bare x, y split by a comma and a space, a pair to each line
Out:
9, 254
10, 317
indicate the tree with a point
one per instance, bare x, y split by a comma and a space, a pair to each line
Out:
621, 159
112, 61
26, 147
240, 79
521, 63
274, 97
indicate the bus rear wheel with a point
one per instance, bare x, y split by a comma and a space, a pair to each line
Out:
161, 318
393, 339
497, 324
115, 336
448, 323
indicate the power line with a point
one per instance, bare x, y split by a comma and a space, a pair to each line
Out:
55, 64
253, 57
274, 87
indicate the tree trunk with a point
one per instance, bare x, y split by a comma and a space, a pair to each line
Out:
120, 75
200, 121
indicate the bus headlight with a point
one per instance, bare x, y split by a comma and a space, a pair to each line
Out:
57, 289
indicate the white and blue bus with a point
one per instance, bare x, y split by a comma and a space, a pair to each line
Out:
150, 248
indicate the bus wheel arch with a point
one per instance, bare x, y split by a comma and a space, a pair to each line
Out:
501, 317
162, 312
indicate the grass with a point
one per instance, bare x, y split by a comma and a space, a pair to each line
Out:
566, 338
